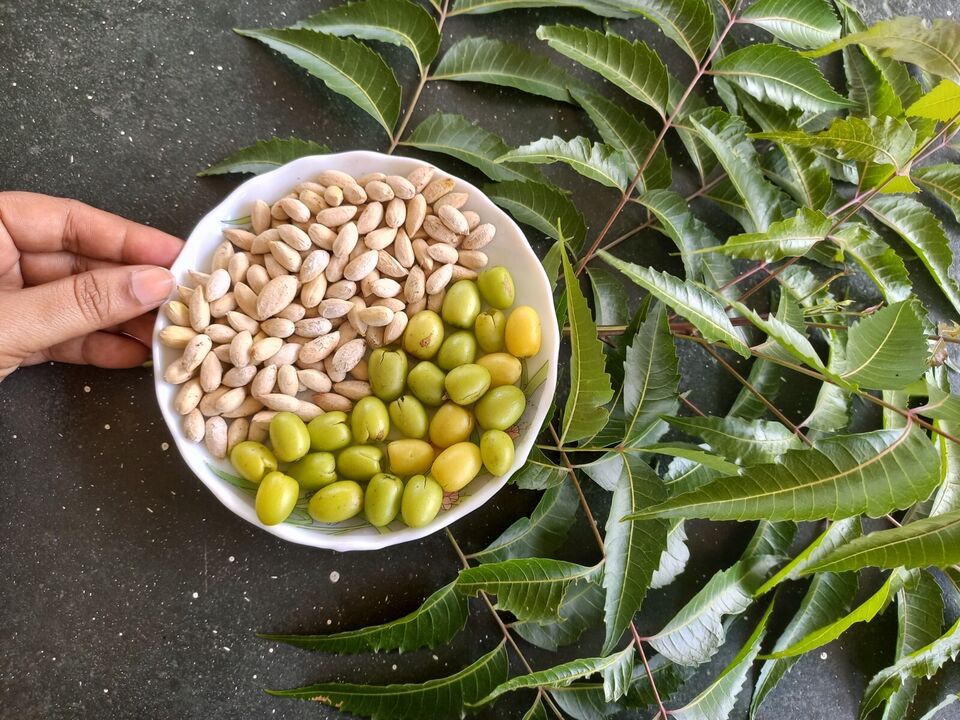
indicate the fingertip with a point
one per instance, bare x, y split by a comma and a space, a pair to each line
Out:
151, 285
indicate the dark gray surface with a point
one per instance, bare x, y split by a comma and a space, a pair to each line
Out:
128, 591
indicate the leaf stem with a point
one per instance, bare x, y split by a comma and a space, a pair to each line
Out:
503, 627
658, 141
646, 666
424, 77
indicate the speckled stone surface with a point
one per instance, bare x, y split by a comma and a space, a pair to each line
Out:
126, 590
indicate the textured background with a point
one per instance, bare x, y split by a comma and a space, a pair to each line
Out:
127, 590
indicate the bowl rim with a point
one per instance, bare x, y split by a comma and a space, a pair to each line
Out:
347, 541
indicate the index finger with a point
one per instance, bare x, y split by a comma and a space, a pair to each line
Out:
40, 223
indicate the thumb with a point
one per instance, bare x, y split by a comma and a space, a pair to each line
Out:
36, 318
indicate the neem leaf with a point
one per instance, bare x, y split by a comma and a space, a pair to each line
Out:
495, 62
922, 231
482, 7
841, 476
582, 608
633, 549
793, 237
777, 74
651, 379
869, 89
456, 136
537, 711
689, 23
943, 182
934, 46
745, 442
877, 259
543, 207
631, 66
673, 559
399, 22
530, 588
942, 103
344, 65
265, 155
583, 414
595, 161
609, 296
538, 473
443, 697
696, 632
700, 308
887, 350
804, 23
542, 532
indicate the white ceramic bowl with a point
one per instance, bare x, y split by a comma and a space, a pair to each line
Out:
509, 248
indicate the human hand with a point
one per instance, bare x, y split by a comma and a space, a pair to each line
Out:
77, 284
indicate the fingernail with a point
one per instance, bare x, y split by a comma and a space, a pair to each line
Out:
151, 286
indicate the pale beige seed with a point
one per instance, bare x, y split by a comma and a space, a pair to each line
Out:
264, 381
260, 216
199, 310
211, 373
177, 313
222, 352
346, 240
381, 238
394, 303
295, 209
332, 402
230, 400
420, 253
194, 426
208, 404
220, 307
473, 259
415, 286
312, 327
342, 289
360, 371
354, 194
262, 349
286, 355
242, 239
374, 337
195, 351
376, 316
396, 213
280, 402
276, 295
435, 301
420, 177
334, 271
316, 350
312, 292
238, 321
313, 265
402, 188
335, 177
335, 217
361, 266
437, 189
239, 377
315, 380
188, 396
278, 327
257, 277
258, 432
240, 349
442, 253
394, 329
237, 433
292, 312
348, 331
321, 236
198, 278
347, 356
221, 256
285, 255
247, 408
455, 200
287, 381
370, 177
385, 288
352, 389
453, 219
366, 285
414, 307
378, 191
333, 196
334, 308
215, 437
353, 317
274, 269
220, 334
237, 267
370, 218
462, 273
278, 213
307, 411
480, 237
403, 249
262, 418
184, 293
294, 237
262, 241
435, 229
309, 185
313, 200
416, 211
388, 265
439, 279
472, 218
